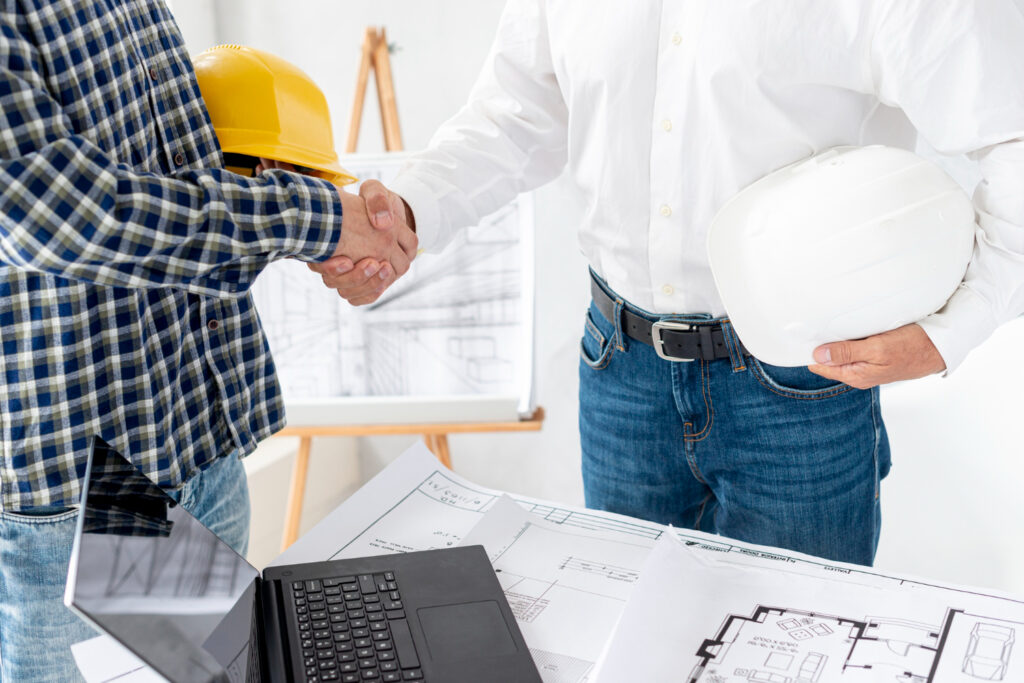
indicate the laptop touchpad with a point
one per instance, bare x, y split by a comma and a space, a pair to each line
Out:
472, 629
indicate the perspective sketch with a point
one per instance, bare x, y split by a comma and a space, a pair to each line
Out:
458, 323
779, 645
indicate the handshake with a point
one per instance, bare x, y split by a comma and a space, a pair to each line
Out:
378, 241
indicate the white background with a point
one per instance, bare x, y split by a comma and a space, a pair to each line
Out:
952, 505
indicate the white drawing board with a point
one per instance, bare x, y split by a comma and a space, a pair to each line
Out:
451, 341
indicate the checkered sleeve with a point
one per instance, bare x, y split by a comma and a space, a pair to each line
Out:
68, 209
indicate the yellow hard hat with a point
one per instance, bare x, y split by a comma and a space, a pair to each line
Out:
264, 106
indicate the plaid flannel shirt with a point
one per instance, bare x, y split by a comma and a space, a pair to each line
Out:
126, 255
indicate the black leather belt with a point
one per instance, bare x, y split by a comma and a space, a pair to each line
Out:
672, 340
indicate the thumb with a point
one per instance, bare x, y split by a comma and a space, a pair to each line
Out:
378, 204
838, 353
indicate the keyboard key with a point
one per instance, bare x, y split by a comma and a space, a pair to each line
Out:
366, 584
338, 618
350, 678
332, 591
371, 598
360, 633
349, 587
328, 664
358, 623
320, 625
383, 645
413, 675
390, 604
313, 586
320, 635
318, 606
403, 644
335, 609
342, 637
334, 600
394, 595
392, 586
385, 656
395, 614
390, 676
346, 656
381, 635
329, 676
362, 642
388, 666
331, 582
371, 674
353, 595
371, 608
367, 663
389, 576
378, 626
325, 654
349, 667
307, 643
322, 614
364, 652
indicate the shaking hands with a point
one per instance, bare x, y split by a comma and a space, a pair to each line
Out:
378, 242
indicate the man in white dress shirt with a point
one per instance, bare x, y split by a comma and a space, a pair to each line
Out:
662, 111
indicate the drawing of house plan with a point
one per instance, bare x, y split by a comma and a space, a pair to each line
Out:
458, 324
757, 623
777, 645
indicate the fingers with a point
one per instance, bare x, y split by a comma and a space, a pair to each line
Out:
379, 206
336, 265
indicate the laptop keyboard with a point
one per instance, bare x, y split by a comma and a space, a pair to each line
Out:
353, 629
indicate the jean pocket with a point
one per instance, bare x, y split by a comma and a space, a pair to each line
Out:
596, 347
39, 516
798, 382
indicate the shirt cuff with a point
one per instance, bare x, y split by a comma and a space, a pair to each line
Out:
959, 326
319, 224
425, 207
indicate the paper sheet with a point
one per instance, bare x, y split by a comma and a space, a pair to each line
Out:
103, 660
567, 586
727, 622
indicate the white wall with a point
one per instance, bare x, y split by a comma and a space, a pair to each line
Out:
951, 503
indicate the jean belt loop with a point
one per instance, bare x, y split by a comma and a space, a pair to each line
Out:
620, 336
737, 354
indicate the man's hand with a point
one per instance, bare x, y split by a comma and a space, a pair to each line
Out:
903, 353
364, 281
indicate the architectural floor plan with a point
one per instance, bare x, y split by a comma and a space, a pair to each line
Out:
778, 645
458, 323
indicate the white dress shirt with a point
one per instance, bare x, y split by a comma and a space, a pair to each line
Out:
664, 110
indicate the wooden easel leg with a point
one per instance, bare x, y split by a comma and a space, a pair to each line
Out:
369, 45
296, 493
442, 452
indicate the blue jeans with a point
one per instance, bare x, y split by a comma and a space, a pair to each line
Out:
764, 454
36, 629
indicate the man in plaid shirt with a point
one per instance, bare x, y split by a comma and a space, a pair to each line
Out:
125, 262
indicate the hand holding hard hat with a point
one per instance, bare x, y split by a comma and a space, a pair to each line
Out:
269, 114
851, 244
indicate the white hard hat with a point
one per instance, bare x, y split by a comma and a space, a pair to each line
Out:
849, 243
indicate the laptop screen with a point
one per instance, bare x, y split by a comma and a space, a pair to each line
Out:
150, 575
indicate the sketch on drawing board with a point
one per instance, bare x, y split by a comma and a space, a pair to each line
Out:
779, 645
458, 323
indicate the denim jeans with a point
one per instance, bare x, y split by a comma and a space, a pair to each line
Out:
36, 629
737, 447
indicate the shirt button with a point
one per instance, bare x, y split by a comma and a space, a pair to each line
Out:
213, 324
152, 73
667, 125
676, 38
179, 159
666, 210
668, 290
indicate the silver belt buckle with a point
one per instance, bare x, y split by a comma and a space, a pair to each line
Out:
659, 343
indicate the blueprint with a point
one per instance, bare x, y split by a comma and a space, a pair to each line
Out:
459, 323
757, 622
604, 597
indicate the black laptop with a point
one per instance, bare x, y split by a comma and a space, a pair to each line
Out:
150, 575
